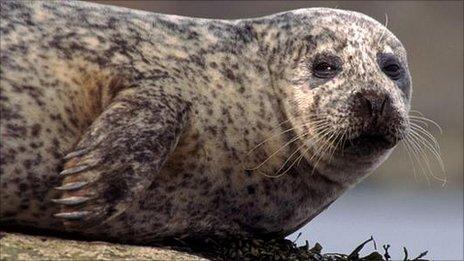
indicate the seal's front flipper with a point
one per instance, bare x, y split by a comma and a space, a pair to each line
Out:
118, 156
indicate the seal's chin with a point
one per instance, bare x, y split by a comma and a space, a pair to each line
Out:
368, 144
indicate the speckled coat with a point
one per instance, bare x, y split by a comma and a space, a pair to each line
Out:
136, 126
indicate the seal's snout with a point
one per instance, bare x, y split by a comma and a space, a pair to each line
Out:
375, 122
370, 104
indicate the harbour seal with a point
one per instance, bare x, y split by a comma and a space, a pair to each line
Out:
132, 126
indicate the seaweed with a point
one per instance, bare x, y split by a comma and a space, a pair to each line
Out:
282, 249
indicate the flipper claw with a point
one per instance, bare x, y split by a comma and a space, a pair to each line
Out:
74, 170
72, 215
71, 201
76, 153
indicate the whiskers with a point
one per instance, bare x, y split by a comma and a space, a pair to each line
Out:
318, 137
421, 146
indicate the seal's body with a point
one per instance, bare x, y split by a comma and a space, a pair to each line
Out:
135, 126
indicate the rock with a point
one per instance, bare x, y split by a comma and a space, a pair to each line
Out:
15, 246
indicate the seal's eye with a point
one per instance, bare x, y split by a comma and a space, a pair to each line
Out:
393, 71
325, 67
390, 66
323, 70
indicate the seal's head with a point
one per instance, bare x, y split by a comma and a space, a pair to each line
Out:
345, 82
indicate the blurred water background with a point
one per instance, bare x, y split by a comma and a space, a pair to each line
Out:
392, 204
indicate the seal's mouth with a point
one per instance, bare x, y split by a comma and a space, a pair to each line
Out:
369, 143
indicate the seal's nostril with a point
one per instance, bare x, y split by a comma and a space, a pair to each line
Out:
375, 104
385, 105
368, 105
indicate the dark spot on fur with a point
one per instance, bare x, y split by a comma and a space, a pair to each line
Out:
251, 189
230, 74
23, 186
116, 190
227, 171
27, 164
35, 130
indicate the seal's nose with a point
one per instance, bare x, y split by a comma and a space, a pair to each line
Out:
368, 104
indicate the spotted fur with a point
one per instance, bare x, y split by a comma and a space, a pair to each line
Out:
137, 127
